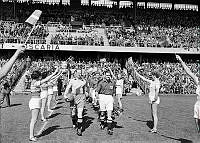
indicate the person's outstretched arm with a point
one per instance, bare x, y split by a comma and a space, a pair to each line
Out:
142, 77
112, 73
187, 70
6, 68
130, 62
49, 77
55, 77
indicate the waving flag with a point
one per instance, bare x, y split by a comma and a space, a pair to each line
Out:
164, 41
34, 17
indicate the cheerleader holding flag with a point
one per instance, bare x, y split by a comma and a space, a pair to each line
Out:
6, 68
34, 103
154, 99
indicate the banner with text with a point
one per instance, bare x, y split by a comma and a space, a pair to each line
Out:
101, 48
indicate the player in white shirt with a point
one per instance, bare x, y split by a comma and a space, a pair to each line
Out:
77, 99
196, 80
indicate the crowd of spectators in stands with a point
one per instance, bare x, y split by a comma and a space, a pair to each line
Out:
67, 39
180, 37
17, 32
139, 36
173, 78
101, 14
149, 25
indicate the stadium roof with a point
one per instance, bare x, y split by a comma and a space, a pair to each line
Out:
169, 1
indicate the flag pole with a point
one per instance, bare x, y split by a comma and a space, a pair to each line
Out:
32, 20
29, 35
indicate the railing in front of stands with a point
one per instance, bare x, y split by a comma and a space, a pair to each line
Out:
72, 41
22, 40
77, 41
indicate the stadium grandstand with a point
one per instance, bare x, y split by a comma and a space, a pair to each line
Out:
91, 40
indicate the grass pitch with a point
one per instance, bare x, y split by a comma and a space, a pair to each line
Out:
175, 113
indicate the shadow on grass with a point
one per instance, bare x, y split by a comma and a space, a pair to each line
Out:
60, 102
58, 107
59, 99
180, 139
49, 130
87, 121
84, 113
149, 123
65, 114
116, 126
53, 115
12, 105
52, 129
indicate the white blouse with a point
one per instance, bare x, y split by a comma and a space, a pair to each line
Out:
153, 86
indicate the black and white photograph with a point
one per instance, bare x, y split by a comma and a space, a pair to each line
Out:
100, 71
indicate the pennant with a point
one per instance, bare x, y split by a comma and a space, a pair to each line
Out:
130, 61
165, 41
34, 17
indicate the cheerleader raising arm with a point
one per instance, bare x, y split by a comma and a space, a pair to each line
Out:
112, 73
142, 77
55, 77
187, 70
49, 77
6, 68
197, 82
130, 62
156, 92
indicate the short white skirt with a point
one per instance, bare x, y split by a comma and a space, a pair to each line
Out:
50, 91
119, 90
92, 93
43, 94
197, 110
55, 88
35, 103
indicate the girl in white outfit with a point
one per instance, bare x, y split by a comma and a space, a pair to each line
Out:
119, 90
197, 83
35, 101
43, 96
50, 91
55, 90
154, 99
50, 95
